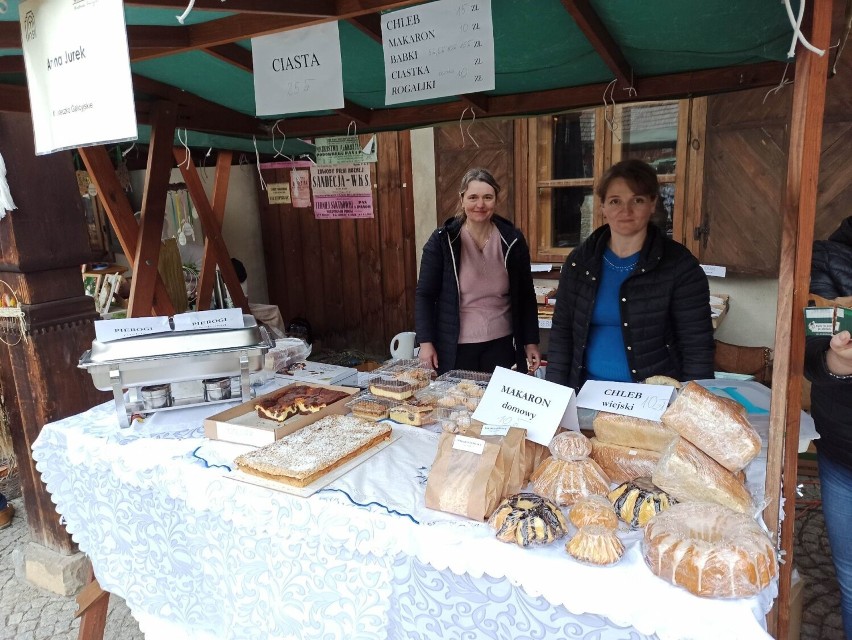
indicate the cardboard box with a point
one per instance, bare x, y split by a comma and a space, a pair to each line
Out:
317, 372
243, 426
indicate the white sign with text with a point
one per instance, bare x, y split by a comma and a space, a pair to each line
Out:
78, 73
647, 401
299, 70
443, 48
518, 400
211, 319
109, 330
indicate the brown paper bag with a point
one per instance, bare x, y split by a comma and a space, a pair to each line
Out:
463, 482
511, 458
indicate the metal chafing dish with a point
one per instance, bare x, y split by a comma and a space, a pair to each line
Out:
176, 358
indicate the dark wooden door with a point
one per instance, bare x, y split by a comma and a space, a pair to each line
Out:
456, 153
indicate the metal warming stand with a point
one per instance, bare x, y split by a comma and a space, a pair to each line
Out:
176, 357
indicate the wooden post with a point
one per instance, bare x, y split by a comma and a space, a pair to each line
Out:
208, 261
43, 242
145, 274
120, 215
798, 211
214, 244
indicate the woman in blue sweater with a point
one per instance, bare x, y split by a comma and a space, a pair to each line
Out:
631, 302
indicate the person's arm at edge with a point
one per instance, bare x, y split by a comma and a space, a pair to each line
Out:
560, 345
529, 307
425, 298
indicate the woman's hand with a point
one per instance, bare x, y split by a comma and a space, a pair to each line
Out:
533, 357
428, 355
839, 356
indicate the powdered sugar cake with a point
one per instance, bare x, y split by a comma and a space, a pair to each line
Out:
315, 450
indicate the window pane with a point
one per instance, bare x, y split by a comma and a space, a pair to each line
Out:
649, 133
572, 219
574, 145
663, 214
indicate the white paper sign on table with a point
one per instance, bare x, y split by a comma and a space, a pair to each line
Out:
78, 73
647, 401
299, 70
109, 330
438, 49
212, 319
518, 400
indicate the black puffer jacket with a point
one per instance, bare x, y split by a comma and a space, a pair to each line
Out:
436, 307
831, 399
665, 312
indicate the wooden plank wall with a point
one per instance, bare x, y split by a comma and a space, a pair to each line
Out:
745, 165
455, 154
353, 280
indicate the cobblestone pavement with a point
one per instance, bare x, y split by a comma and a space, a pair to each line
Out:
812, 555
30, 613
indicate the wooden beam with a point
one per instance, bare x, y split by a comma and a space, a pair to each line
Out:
198, 108
145, 273
307, 8
361, 115
207, 276
656, 88
14, 98
12, 64
212, 230
798, 212
152, 41
478, 100
233, 54
120, 214
599, 36
10, 35
370, 25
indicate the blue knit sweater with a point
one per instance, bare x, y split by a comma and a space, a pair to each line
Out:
605, 355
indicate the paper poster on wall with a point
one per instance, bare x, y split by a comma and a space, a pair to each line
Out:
438, 49
299, 70
278, 192
344, 150
342, 191
78, 73
300, 188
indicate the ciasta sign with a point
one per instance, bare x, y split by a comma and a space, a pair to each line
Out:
299, 70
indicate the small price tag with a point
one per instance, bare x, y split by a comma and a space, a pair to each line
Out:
494, 430
472, 445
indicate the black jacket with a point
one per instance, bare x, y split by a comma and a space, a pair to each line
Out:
665, 312
436, 307
831, 399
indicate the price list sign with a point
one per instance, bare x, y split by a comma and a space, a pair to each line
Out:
443, 48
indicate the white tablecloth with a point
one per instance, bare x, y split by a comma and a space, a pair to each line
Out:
198, 555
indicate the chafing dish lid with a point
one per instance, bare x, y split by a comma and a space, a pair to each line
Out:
176, 343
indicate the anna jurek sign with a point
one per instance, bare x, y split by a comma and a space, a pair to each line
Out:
78, 73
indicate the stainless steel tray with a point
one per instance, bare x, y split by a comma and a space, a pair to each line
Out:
176, 356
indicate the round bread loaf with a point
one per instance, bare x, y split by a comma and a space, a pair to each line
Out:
595, 545
570, 445
709, 550
594, 509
